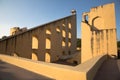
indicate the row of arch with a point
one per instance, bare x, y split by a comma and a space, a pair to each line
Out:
64, 35
47, 57
48, 43
64, 44
35, 43
58, 30
63, 31
34, 56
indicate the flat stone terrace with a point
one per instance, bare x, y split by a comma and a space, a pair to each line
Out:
109, 70
12, 72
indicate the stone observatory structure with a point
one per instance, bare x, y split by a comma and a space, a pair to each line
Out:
99, 32
48, 42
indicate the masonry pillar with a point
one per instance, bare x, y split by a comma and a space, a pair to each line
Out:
94, 43
101, 42
112, 44
86, 43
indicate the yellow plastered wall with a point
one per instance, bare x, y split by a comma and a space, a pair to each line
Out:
84, 71
99, 32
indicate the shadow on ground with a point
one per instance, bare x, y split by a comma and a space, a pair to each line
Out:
109, 70
11, 72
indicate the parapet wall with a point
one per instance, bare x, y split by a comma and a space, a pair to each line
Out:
85, 71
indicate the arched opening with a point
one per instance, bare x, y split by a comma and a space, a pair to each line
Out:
75, 62
69, 52
85, 17
34, 57
47, 57
63, 44
69, 44
63, 33
63, 53
63, 25
48, 31
69, 35
69, 25
34, 42
15, 54
58, 29
48, 43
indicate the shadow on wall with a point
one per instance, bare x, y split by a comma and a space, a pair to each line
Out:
118, 54
92, 72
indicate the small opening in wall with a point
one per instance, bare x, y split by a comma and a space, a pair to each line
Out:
34, 57
63, 52
69, 35
63, 44
15, 54
58, 29
75, 62
86, 18
69, 44
69, 25
48, 31
47, 57
48, 43
63, 25
63, 33
34, 42
69, 52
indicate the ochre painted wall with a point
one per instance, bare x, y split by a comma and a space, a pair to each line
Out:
85, 71
99, 32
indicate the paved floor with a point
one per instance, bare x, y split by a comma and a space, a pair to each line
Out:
110, 70
11, 72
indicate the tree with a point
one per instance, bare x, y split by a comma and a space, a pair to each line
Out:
4, 37
79, 42
118, 44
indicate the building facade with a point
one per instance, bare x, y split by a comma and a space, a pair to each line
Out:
48, 42
99, 32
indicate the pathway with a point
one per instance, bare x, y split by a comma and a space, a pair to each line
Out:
110, 70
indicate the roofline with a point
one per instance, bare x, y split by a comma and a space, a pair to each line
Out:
36, 27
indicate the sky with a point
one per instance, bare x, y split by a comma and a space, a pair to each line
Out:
31, 13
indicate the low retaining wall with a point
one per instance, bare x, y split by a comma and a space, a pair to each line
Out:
85, 71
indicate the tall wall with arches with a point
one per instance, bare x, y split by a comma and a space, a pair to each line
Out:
99, 32
48, 42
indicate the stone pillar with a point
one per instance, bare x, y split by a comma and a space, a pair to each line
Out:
109, 41
104, 42
101, 42
112, 42
98, 43
94, 43
86, 52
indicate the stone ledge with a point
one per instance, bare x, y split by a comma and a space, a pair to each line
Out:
85, 71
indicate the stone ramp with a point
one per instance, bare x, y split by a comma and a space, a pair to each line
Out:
12, 72
110, 70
